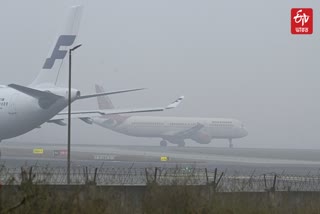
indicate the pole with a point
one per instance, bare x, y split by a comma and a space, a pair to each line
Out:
69, 118
69, 113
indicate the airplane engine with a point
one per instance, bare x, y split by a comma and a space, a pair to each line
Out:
110, 122
201, 138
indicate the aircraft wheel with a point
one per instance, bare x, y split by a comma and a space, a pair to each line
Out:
182, 144
163, 143
230, 144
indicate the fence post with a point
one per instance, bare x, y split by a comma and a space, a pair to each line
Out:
26, 178
215, 175
216, 182
147, 175
85, 172
95, 176
222, 173
273, 188
265, 181
155, 175
23, 175
207, 178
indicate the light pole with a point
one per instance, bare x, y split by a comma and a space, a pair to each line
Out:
69, 112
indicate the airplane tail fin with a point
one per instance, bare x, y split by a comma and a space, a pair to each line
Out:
104, 102
64, 40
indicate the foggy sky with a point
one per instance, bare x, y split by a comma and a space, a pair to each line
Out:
233, 59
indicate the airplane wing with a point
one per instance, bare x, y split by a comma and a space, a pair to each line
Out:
107, 93
86, 116
189, 132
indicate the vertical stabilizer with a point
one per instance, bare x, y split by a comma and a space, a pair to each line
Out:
58, 52
103, 101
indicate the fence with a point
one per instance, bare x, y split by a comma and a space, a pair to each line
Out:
221, 181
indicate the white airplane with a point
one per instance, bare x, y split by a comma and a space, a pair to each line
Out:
171, 129
23, 109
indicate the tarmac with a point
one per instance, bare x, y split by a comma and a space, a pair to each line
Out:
242, 160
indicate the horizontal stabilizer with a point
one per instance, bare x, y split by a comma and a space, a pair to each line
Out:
34, 92
45, 99
108, 93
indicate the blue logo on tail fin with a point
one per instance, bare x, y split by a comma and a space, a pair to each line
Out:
64, 40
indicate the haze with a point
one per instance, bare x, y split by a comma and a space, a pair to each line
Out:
230, 59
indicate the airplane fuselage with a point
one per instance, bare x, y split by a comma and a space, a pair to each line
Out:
20, 112
170, 128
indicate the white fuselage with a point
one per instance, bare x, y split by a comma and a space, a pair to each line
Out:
170, 128
25, 108
21, 113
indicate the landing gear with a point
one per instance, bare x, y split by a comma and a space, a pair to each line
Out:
230, 143
181, 144
163, 143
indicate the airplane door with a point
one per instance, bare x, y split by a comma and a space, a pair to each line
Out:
12, 107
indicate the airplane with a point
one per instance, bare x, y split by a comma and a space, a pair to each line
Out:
171, 129
24, 108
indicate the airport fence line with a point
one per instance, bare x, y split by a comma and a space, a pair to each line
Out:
102, 176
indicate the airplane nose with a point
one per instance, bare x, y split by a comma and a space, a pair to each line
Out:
245, 132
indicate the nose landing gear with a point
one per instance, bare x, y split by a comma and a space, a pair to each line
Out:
182, 144
230, 143
163, 143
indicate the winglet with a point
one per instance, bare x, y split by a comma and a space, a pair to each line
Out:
175, 103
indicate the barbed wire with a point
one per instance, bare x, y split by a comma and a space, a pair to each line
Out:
222, 181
